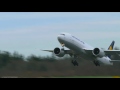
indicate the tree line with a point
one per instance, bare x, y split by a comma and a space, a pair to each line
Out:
15, 64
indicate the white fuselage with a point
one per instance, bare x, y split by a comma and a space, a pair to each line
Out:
78, 46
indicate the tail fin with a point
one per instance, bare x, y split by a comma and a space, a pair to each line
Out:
111, 47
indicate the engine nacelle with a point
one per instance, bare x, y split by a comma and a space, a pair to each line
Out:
59, 52
98, 52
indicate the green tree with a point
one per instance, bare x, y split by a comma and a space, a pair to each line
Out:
17, 56
4, 58
33, 58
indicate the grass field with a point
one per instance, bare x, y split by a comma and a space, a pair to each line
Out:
66, 77
89, 77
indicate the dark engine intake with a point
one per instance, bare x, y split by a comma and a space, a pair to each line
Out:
98, 52
59, 52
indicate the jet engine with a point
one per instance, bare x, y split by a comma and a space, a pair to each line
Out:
98, 52
59, 52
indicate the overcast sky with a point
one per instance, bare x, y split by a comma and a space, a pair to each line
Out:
28, 32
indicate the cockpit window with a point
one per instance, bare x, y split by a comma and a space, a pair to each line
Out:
62, 34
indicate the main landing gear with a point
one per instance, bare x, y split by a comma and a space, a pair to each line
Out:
96, 63
74, 62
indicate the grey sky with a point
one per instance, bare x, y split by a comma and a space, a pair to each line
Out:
28, 32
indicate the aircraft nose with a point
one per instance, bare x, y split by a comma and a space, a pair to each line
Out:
59, 37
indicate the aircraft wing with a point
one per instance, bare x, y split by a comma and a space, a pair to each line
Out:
88, 51
48, 50
114, 53
66, 51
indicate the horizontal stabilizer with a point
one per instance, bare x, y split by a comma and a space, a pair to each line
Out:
115, 61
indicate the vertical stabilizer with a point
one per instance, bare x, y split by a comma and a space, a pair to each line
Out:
111, 47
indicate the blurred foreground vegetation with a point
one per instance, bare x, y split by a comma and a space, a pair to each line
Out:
36, 66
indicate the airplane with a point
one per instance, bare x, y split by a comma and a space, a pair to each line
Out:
80, 49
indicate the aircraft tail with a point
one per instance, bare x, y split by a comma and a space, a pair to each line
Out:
111, 47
